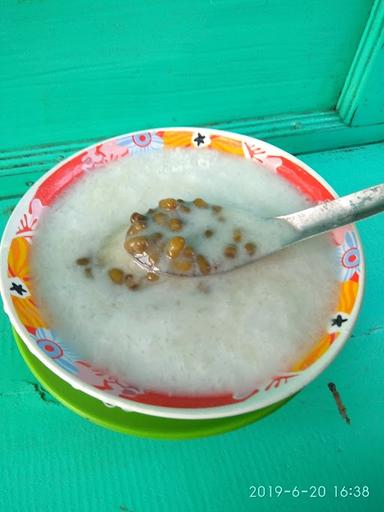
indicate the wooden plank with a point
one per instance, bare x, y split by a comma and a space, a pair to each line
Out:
296, 134
73, 70
362, 99
370, 109
51, 459
307, 133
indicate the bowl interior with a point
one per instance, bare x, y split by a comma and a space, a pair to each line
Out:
26, 317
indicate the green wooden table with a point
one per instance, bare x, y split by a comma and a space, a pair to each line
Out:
306, 75
53, 460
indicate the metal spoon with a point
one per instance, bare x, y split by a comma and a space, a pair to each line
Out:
336, 213
273, 234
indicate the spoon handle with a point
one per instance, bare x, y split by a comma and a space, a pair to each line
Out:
338, 212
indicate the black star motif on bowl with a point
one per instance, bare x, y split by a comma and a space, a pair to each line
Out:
339, 320
199, 139
18, 288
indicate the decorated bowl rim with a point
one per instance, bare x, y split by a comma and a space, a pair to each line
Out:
252, 403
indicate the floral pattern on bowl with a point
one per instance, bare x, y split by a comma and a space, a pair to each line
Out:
18, 295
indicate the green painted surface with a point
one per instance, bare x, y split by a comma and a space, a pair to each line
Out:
362, 99
79, 70
52, 459
296, 133
73, 69
371, 105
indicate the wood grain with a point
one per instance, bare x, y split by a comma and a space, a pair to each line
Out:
371, 105
51, 459
362, 99
72, 69
294, 133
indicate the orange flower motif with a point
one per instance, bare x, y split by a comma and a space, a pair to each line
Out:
176, 139
18, 258
315, 354
347, 297
18, 270
227, 145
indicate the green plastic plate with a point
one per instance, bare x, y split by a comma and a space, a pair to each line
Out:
131, 422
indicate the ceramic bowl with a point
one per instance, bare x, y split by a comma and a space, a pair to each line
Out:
133, 423
62, 359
